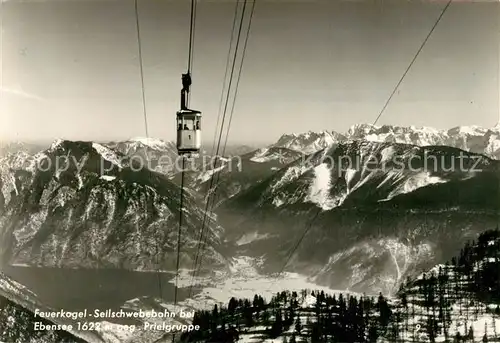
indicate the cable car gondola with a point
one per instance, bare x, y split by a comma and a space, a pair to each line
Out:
188, 123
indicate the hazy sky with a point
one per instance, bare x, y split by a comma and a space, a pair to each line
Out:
70, 68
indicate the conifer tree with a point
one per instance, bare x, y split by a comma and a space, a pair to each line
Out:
298, 325
470, 336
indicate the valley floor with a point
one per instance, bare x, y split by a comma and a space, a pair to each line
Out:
243, 281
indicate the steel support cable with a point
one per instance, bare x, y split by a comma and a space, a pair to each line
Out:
223, 118
443, 11
202, 231
139, 45
145, 116
204, 222
228, 60
296, 246
252, 10
191, 35
299, 242
192, 31
179, 233
181, 205
412, 61
214, 199
1, 50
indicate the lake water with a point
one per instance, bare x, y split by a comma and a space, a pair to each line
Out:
78, 289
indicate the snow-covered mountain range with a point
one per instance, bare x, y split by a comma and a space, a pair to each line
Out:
309, 142
259, 164
156, 154
369, 171
470, 138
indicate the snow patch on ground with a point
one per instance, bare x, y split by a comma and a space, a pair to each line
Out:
251, 237
107, 154
387, 154
56, 143
278, 202
205, 176
349, 176
414, 182
319, 192
290, 175
260, 156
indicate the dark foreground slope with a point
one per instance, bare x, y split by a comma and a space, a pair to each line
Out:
17, 319
17, 326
